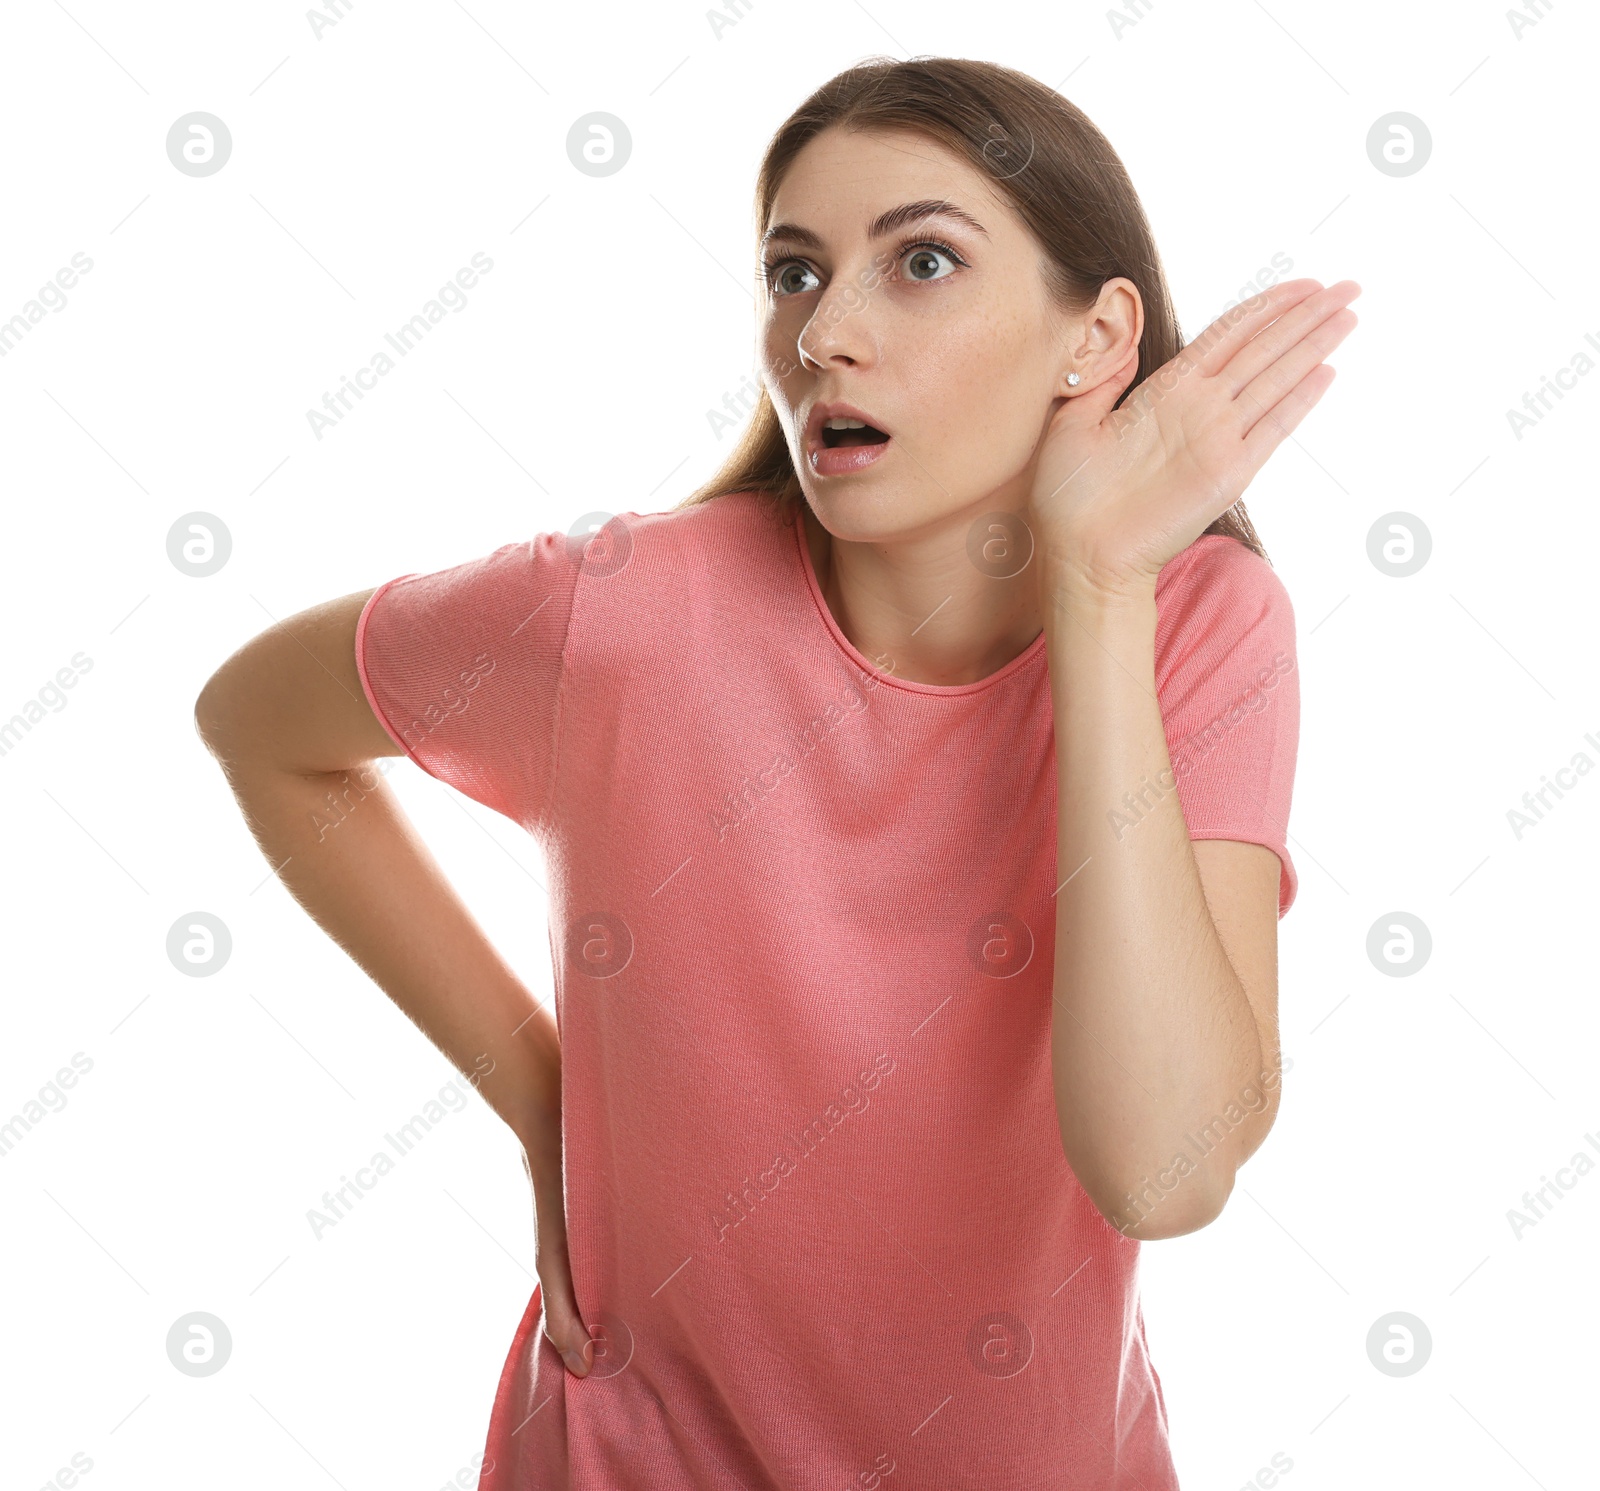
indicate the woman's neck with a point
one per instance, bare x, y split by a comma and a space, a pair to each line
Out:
967, 625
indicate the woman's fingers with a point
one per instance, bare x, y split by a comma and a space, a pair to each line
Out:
1263, 393
1252, 324
1277, 423
1304, 320
563, 1325
1220, 341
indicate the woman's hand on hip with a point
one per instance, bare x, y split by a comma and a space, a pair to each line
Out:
563, 1325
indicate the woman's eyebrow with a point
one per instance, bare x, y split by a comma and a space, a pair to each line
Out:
882, 225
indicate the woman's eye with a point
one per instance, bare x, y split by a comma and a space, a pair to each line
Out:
783, 278
922, 262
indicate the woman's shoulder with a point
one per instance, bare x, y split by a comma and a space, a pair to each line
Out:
1213, 554
1217, 571
712, 519
682, 547
1219, 597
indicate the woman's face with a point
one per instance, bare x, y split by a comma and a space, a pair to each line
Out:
951, 347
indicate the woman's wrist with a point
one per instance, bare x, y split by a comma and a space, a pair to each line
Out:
1081, 587
538, 1131
1075, 568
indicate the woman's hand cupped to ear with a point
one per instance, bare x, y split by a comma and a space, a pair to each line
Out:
1118, 492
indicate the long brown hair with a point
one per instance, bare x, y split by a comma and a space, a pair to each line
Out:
1057, 169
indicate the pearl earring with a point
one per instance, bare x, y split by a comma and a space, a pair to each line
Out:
1073, 380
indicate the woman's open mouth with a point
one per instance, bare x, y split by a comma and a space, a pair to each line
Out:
855, 434
847, 445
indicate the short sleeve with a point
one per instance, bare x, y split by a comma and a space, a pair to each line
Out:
463, 668
1228, 687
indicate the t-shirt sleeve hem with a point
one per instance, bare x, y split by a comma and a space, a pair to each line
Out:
539, 824
1288, 880
366, 678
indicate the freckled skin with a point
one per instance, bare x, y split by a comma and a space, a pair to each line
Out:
963, 369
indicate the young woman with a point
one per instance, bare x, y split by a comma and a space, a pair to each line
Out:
914, 799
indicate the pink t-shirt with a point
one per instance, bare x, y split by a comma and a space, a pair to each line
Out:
820, 1219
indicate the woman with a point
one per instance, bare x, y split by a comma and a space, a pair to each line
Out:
914, 803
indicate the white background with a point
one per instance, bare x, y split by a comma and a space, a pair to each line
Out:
367, 168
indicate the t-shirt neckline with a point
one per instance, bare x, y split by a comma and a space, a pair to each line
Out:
1032, 651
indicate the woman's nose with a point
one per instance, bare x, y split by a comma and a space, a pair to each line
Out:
839, 327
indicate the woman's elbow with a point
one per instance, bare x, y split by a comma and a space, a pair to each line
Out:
1189, 1202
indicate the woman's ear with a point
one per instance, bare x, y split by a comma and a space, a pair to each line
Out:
1109, 337
1069, 381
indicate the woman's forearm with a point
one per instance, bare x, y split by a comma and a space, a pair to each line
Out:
1153, 1033
346, 851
